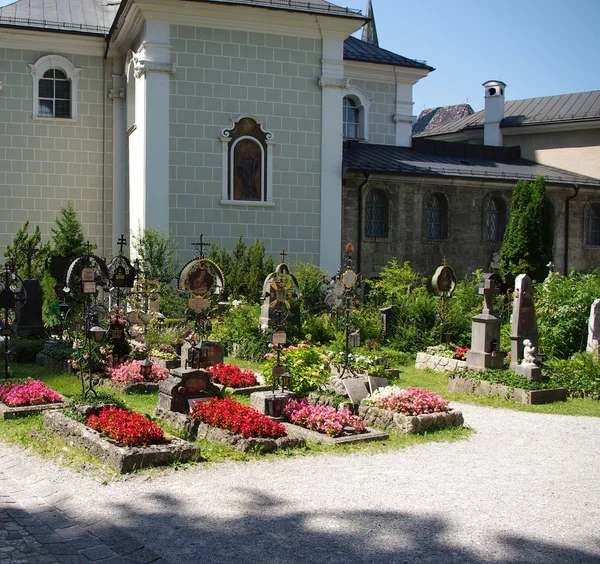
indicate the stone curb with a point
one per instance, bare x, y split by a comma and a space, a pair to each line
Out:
122, 459
7, 412
399, 423
320, 438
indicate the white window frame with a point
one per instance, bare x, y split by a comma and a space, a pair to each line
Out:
362, 103
63, 64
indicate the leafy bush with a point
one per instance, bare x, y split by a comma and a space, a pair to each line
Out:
156, 253
507, 378
128, 428
25, 349
563, 307
313, 282
318, 328
229, 414
580, 375
308, 366
367, 321
320, 418
58, 350
172, 304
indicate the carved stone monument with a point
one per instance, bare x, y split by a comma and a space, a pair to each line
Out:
524, 323
594, 328
528, 367
485, 336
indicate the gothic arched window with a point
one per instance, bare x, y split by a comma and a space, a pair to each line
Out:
437, 216
593, 225
376, 212
494, 220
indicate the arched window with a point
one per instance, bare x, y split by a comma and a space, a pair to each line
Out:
494, 220
54, 87
437, 217
593, 225
351, 119
376, 213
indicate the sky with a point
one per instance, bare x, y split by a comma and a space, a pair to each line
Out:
536, 47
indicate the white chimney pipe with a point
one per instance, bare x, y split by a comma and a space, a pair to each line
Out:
494, 112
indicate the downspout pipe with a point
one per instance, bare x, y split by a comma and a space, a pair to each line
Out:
367, 174
566, 229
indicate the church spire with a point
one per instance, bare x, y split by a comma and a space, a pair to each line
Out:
369, 32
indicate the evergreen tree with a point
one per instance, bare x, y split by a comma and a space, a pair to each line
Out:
256, 270
68, 239
529, 235
156, 253
239, 269
21, 247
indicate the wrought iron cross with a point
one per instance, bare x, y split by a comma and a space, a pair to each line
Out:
121, 242
283, 255
201, 244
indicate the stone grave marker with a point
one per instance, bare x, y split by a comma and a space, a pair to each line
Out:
375, 382
594, 328
524, 323
356, 389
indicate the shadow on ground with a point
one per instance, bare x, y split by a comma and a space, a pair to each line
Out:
256, 528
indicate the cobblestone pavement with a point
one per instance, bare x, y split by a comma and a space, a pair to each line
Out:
41, 523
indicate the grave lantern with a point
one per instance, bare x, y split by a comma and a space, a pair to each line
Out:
198, 355
97, 334
286, 381
120, 277
146, 368
116, 333
355, 339
11, 355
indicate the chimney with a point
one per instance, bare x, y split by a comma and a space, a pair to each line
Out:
494, 112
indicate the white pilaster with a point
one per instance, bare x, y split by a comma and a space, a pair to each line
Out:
333, 85
149, 139
403, 118
117, 95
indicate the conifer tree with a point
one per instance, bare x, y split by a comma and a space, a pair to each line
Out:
529, 235
68, 239
22, 246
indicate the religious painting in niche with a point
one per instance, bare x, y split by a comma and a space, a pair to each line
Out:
246, 146
247, 164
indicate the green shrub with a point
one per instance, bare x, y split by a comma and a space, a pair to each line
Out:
580, 375
318, 328
25, 349
367, 320
563, 307
172, 304
58, 350
313, 282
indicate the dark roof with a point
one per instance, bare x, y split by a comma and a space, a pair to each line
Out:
312, 6
419, 161
581, 106
357, 50
436, 117
93, 17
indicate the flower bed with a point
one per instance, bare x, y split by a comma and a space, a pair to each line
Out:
127, 428
122, 458
232, 376
244, 428
413, 410
27, 398
320, 418
128, 377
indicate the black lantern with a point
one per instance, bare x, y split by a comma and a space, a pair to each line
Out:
286, 380
11, 355
97, 334
146, 368
198, 355
116, 333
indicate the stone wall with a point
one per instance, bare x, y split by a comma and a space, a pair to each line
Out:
45, 162
382, 107
220, 75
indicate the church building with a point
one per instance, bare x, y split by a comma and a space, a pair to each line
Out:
260, 118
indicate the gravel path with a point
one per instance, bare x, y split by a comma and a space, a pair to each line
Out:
525, 488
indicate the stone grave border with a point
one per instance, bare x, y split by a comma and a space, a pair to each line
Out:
122, 459
400, 423
438, 363
323, 439
164, 363
242, 391
519, 395
7, 412
205, 431
136, 388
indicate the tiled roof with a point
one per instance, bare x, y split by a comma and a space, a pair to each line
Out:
406, 161
436, 117
357, 50
92, 17
581, 106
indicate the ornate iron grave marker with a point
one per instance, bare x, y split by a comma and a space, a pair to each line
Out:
443, 283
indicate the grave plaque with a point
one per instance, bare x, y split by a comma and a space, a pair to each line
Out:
88, 280
356, 389
279, 338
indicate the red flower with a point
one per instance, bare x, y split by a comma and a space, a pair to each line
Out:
128, 428
231, 415
232, 376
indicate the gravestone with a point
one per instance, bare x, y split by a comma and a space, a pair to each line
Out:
356, 389
375, 382
28, 317
485, 332
524, 323
594, 328
182, 388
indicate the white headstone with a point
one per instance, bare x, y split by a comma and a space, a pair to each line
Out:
594, 327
